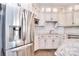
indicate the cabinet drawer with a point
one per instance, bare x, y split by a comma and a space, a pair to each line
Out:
42, 44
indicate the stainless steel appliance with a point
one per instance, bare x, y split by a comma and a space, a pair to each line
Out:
16, 31
0, 28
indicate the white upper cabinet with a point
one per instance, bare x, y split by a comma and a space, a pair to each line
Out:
76, 18
54, 15
68, 19
68, 16
65, 17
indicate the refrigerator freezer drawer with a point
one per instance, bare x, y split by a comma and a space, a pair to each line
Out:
20, 51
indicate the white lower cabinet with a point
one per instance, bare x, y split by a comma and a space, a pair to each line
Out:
56, 44
48, 41
48, 44
42, 44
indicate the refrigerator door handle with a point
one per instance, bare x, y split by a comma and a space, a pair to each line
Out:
24, 25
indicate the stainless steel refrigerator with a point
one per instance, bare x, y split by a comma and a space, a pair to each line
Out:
16, 34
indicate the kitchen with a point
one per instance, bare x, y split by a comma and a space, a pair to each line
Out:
39, 29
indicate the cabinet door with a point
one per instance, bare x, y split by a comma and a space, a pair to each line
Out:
56, 43
61, 39
48, 44
61, 18
42, 43
76, 18
53, 44
68, 19
65, 19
